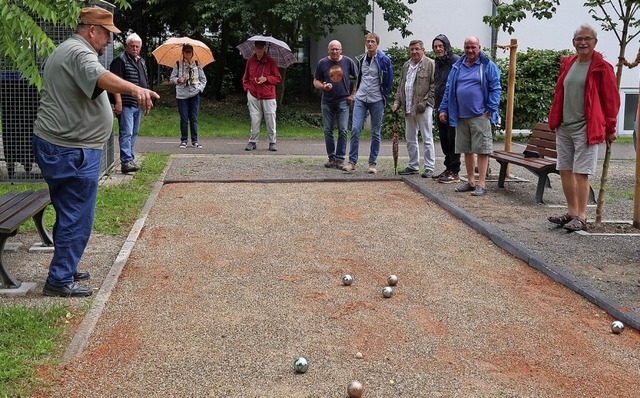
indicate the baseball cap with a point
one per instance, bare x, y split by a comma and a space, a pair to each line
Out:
98, 16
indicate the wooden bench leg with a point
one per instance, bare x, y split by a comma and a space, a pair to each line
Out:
38, 220
7, 281
503, 174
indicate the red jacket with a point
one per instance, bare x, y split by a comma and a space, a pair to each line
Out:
265, 67
601, 98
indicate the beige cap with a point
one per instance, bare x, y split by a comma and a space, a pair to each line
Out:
98, 16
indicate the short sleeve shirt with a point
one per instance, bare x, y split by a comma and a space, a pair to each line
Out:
337, 73
73, 111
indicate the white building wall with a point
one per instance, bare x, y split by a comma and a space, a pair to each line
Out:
461, 18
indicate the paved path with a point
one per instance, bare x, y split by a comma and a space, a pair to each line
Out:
288, 146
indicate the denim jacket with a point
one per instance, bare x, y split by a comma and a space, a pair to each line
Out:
386, 72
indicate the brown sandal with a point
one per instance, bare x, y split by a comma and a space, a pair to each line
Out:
577, 224
561, 220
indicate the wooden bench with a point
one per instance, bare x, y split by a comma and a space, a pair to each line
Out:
15, 209
539, 158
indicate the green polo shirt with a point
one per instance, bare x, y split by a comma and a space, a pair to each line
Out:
73, 111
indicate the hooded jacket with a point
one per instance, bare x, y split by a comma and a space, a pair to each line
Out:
443, 67
601, 98
490, 75
386, 72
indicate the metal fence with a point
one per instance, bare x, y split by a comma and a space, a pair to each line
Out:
19, 106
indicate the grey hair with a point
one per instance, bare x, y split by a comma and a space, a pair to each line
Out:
414, 42
133, 37
585, 26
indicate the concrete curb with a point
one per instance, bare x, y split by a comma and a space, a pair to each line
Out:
80, 339
517, 250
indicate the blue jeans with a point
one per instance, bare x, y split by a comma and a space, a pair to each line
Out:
72, 175
376, 109
129, 124
188, 109
329, 114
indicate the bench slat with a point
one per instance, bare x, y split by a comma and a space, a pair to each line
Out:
20, 207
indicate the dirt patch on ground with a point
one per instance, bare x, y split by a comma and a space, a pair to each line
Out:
228, 283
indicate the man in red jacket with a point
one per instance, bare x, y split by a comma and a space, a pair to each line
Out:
584, 112
261, 76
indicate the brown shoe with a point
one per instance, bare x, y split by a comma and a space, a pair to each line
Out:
372, 168
339, 164
577, 224
349, 167
330, 164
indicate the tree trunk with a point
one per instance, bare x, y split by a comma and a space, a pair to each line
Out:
280, 86
607, 156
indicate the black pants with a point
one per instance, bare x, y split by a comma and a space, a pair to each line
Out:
448, 144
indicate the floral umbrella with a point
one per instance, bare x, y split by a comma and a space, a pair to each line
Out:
276, 49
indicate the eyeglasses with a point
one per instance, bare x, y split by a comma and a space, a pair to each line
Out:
583, 39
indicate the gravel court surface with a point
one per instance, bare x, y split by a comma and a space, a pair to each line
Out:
228, 283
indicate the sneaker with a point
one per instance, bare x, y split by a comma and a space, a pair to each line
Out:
436, 176
273, 147
449, 178
407, 171
250, 146
129, 167
427, 174
349, 167
196, 145
466, 187
183, 144
330, 164
479, 191
372, 168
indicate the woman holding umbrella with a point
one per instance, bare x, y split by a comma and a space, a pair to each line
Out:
261, 75
190, 81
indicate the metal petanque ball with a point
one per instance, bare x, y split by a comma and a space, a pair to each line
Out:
300, 365
355, 389
392, 280
387, 292
617, 327
347, 279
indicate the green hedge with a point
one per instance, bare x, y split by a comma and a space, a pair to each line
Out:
536, 75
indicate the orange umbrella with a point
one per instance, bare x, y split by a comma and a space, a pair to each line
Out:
171, 51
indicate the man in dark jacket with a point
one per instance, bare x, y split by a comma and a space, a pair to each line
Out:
445, 58
131, 67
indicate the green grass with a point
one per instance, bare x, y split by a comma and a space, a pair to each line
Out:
165, 122
119, 206
28, 338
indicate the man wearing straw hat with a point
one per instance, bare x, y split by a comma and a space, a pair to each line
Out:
73, 124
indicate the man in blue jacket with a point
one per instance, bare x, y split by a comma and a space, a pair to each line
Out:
470, 104
374, 82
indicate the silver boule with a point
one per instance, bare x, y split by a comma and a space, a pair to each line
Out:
617, 327
355, 389
347, 279
387, 292
392, 280
301, 365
